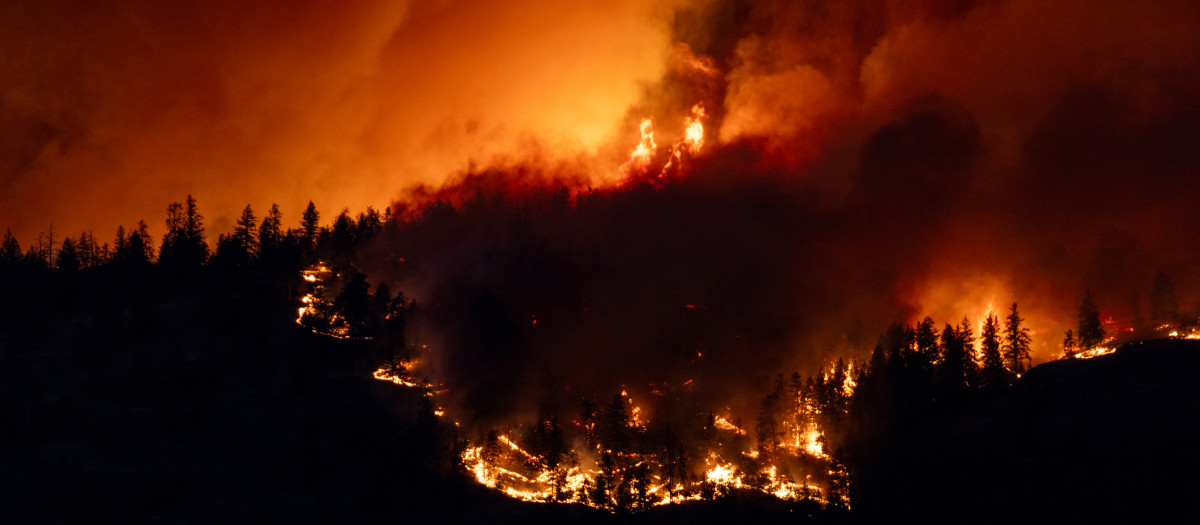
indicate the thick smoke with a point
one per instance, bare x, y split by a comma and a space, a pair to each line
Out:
111, 110
865, 162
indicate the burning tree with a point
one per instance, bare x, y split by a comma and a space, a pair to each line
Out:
1091, 332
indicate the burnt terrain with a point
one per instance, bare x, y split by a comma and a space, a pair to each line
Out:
130, 399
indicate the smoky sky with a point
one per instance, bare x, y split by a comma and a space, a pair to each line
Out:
111, 110
864, 161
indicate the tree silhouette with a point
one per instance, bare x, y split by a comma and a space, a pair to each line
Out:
354, 303
1016, 341
1090, 331
240, 248
967, 336
309, 224
953, 372
10, 249
927, 337
368, 224
1069, 346
342, 235
270, 235
245, 233
614, 425
135, 249
90, 255
767, 429
992, 372
68, 258
183, 246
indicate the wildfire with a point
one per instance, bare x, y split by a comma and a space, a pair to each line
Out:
596, 475
603, 478
644, 152
639, 166
694, 135
724, 424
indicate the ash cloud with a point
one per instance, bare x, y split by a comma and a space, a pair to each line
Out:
868, 162
113, 109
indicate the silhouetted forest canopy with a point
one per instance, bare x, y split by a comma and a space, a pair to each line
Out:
208, 375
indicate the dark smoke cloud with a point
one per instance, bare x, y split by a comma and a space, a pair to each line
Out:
868, 162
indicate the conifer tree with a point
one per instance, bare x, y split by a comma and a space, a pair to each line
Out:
68, 257
1069, 347
10, 249
1090, 332
967, 334
245, 233
1016, 341
309, 224
992, 371
953, 369
270, 234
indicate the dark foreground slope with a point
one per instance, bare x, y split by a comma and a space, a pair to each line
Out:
173, 403
1113, 438
148, 401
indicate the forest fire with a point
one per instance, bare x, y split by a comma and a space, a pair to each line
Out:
620, 255
612, 475
640, 168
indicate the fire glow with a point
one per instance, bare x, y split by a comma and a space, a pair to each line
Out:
504, 464
641, 167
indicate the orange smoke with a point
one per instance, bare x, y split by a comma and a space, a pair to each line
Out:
113, 111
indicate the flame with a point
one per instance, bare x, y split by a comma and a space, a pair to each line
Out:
525, 475
643, 154
639, 166
724, 424
694, 132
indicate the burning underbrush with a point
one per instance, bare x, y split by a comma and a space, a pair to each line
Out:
672, 441
613, 457
617, 348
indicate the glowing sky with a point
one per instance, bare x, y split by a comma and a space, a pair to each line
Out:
1054, 140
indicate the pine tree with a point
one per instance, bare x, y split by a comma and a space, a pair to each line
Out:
926, 357
1069, 347
309, 224
953, 369
270, 235
140, 244
10, 249
135, 248
342, 235
1089, 330
89, 253
1016, 341
967, 334
354, 303
368, 224
927, 338
767, 429
245, 233
614, 425
992, 369
197, 249
183, 246
68, 258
